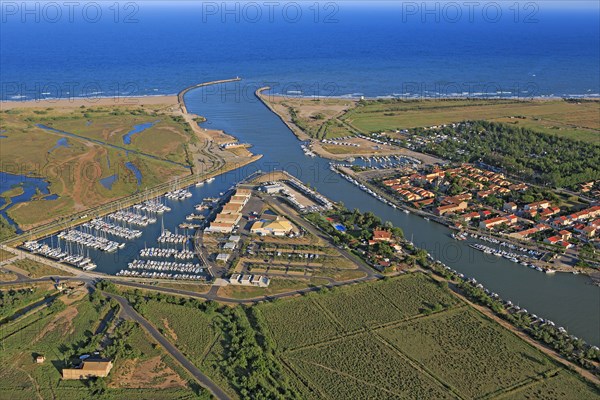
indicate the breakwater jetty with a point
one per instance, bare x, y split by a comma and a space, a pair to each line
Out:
181, 94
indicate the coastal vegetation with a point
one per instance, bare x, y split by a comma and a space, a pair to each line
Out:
85, 149
530, 155
6, 229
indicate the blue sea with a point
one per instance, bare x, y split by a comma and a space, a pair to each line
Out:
411, 49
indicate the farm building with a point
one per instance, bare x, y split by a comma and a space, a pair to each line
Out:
89, 369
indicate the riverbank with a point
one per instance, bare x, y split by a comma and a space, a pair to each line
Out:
325, 113
483, 235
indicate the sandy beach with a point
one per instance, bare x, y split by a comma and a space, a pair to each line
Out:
90, 102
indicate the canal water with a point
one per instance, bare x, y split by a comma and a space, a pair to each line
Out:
569, 300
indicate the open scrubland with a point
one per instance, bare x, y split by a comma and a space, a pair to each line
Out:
571, 119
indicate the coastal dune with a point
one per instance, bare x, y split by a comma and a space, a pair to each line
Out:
90, 101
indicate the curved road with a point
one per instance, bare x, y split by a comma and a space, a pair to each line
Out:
128, 312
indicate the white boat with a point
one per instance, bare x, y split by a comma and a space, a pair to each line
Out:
406, 211
89, 267
200, 183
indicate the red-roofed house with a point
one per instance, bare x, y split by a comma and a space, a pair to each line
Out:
451, 208
382, 236
553, 240
490, 223
565, 235
590, 231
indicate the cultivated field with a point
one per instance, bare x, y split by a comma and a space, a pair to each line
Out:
408, 337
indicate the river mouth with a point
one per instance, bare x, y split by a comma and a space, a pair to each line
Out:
563, 298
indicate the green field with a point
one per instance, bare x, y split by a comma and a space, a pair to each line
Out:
12, 300
422, 343
35, 269
560, 385
362, 367
189, 328
166, 138
329, 118
565, 118
459, 348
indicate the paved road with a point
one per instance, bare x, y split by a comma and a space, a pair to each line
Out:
128, 312
212, 294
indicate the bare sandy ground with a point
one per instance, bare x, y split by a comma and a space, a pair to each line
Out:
89, 102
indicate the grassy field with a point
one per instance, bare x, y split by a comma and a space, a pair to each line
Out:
58, 333
165, 138
439, 344
569, 119
365, 306
277, 285
316, 118
190, 329
74, 166
331, 118
35, 269
363, 367
13, 299
559, 385
5, 255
